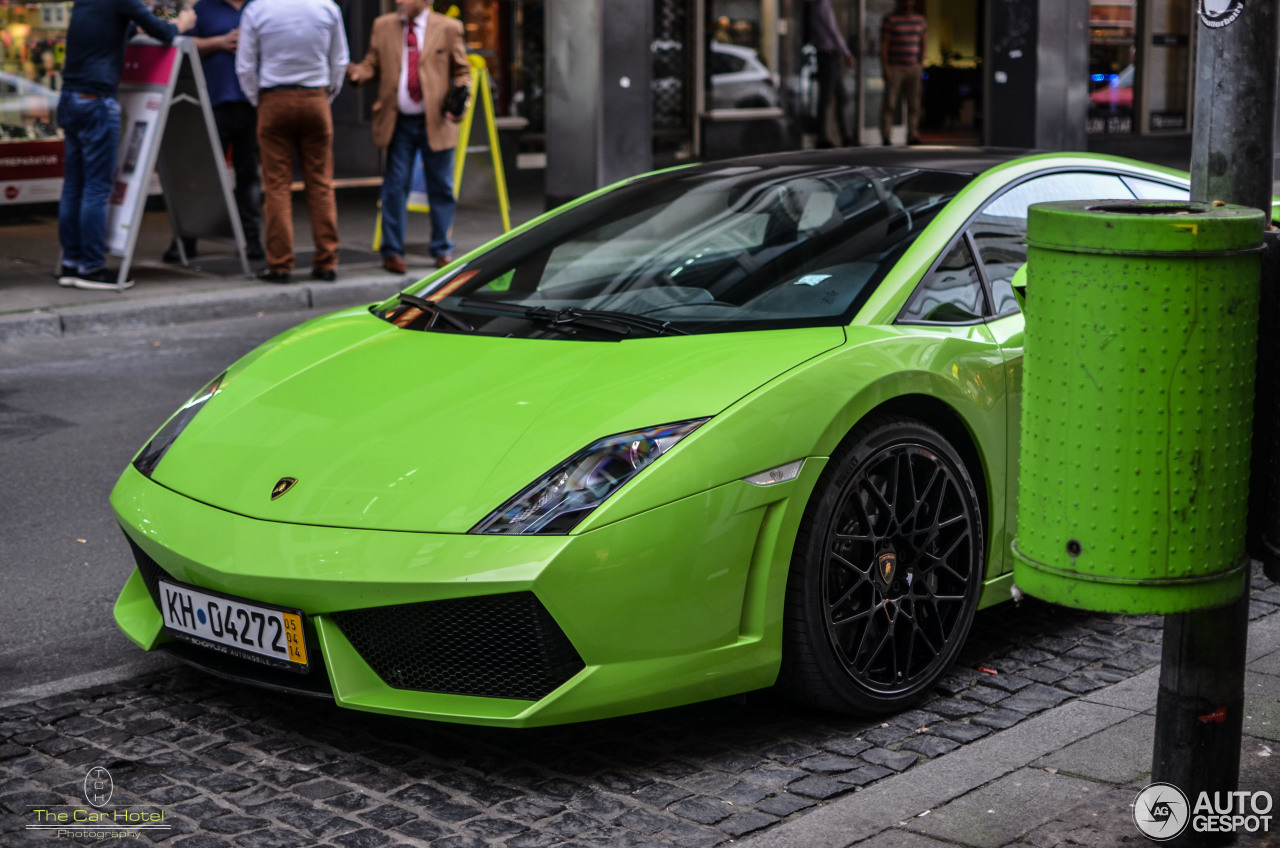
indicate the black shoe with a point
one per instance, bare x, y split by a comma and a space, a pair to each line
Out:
886, 143
269, 276
171, 255
324, 276
100, 280
253, 250
915, 139
67, 276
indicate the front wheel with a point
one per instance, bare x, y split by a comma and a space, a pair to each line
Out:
886, 571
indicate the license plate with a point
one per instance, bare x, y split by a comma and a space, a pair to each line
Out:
255, 632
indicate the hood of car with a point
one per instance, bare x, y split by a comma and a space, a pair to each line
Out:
389, 429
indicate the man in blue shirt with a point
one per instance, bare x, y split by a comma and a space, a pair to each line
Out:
216, 34
89, 115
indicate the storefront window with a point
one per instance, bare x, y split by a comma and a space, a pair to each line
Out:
528, 64
1167, 67
32, 49
486, 29
737, 63
1112, 66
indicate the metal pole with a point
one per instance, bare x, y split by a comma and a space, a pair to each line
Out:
1233, 137
1200, 709
1264, 489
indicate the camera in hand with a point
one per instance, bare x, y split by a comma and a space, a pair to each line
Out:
455, 101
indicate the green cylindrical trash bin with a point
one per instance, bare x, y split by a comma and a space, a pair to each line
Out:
1141, 335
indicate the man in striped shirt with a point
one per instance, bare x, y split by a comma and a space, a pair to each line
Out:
902, 57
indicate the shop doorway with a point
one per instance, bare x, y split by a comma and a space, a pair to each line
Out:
952, 110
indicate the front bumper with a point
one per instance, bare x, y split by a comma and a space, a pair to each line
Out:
674, 605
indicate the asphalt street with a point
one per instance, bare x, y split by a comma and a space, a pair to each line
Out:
72, 413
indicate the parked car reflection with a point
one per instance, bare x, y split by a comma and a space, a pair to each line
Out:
28, 110
739, 80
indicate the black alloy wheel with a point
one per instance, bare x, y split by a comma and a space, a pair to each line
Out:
886, 572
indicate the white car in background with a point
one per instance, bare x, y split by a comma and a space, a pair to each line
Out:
28, 110
739, 80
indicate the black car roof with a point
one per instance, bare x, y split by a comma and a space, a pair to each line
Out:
966, 160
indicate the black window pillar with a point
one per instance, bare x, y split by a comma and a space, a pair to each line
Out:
1037, 78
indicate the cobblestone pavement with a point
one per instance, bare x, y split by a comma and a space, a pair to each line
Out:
239, 767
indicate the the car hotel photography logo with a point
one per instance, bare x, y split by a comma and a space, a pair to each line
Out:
101, 820
1162, 811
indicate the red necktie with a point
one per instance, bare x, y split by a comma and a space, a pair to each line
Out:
411, 75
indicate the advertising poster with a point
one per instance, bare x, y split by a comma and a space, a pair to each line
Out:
144, 87
139, 111
31, 171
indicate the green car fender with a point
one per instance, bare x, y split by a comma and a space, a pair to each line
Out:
806, 412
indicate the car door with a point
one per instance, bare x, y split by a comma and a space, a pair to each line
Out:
972, 285
998, 237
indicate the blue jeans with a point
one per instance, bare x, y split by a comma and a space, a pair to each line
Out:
409, 138
91, 132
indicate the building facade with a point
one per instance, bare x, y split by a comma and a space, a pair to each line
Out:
719, 77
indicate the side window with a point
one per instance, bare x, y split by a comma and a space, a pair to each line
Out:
999, 232
1152, 190
726, 63
951, 293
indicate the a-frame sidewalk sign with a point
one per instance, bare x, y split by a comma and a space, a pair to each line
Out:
159, 82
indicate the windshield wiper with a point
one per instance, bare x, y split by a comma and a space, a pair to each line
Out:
435, 313
620, 323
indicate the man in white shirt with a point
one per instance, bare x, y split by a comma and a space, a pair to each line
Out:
409, 117
290, 61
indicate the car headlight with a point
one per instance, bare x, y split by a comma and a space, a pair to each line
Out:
149, 457
566, 494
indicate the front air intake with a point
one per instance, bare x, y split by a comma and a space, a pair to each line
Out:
492, 646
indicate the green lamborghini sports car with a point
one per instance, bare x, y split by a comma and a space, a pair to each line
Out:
719, 428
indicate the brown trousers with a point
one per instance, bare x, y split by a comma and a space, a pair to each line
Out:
901, 82
288, 122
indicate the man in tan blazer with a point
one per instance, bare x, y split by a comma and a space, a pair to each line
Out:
409, 117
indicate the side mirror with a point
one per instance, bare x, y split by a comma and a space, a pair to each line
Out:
1019, 283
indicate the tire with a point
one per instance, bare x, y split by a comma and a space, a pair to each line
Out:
887, 569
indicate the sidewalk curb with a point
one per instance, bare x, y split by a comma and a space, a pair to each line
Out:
180, 308
908, 795
931, 784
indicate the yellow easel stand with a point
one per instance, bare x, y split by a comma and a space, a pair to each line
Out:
480, 79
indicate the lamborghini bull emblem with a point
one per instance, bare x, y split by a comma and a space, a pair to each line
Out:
283, 485
887, 567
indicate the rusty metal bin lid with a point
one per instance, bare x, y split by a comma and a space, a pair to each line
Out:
1144, 227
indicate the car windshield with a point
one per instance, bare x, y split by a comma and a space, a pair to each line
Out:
699, 250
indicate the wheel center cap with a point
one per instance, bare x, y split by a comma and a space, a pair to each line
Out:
887, 568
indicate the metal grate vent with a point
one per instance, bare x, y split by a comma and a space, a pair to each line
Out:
671, 71
493, 646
